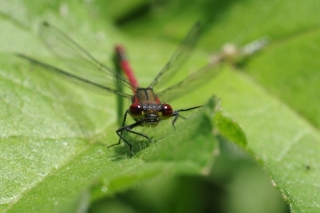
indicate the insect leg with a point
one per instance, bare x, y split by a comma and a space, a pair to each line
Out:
128, 128
120, 136
176, 114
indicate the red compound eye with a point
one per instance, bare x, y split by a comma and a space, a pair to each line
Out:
135, 110
166, 110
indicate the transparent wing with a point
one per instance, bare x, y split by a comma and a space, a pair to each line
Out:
72, 77
194, 80
200, 77
76, 63
178, 58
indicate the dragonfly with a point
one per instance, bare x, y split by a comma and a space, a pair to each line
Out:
148, 107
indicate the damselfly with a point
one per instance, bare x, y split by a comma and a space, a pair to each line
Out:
147, 107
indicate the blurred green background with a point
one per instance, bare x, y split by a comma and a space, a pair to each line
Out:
235, 184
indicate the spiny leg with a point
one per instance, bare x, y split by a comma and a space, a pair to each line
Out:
120, 136
128, 128
176, 114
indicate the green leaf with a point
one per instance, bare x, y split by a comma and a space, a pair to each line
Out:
231, 130
54, 135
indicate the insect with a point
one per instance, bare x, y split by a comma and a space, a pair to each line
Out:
147, 108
